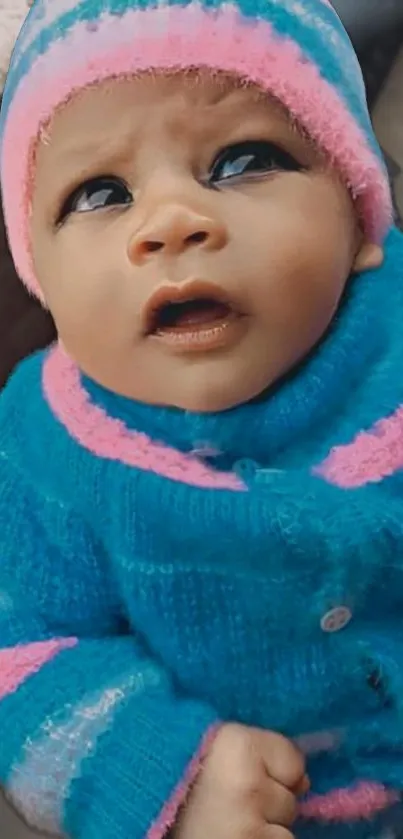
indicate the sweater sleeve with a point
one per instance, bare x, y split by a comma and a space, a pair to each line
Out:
95, 742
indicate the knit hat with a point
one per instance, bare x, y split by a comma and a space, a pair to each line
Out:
297, 50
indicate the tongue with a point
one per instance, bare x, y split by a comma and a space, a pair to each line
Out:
194, 313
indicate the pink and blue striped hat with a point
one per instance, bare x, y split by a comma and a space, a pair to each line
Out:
297, 50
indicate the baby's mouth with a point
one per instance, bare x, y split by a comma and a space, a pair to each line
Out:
192, 317
191, 314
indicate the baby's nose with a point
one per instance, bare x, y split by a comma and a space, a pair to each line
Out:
173, 230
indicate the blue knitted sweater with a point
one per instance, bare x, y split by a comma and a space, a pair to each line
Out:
148, 592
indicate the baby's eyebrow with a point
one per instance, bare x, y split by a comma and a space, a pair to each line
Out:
89, 149
87, 154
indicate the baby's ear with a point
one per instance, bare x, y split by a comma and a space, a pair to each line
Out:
368, 257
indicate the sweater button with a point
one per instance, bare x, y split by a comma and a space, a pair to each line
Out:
337, 619
246, 469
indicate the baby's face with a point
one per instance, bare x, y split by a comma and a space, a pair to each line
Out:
191, 245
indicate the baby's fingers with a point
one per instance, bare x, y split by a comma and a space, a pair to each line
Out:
282, 760
279, 804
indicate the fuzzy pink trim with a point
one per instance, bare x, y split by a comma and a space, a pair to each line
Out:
372, 456
17, 664
362, 801
109, 438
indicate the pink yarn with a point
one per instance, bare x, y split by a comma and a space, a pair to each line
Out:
372, 456
170, 811
362, 801
222, 41
109, 438
17, 664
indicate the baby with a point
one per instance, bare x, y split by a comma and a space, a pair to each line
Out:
201, 574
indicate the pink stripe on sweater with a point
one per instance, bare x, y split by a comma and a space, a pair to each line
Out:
373, 455
17, 664
362, 801
172, 38
171, 809
109, 438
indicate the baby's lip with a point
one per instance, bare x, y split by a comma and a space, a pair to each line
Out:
186, 292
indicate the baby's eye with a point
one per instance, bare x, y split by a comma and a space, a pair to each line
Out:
96, 194
251, 158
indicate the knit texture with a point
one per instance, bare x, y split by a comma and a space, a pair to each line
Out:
297, 50
146, 594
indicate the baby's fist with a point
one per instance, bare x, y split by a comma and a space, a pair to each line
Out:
247, 789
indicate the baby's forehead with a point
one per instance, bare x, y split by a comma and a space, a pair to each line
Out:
192, 106
218, 93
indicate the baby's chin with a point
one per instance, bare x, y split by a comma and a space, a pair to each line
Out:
216, 398
210, 384
217, 395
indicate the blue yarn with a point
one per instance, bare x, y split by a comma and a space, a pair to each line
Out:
337, 62
193, 605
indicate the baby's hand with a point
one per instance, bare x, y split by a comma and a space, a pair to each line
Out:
247, 789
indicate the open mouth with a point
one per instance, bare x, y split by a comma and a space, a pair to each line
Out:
192, 316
